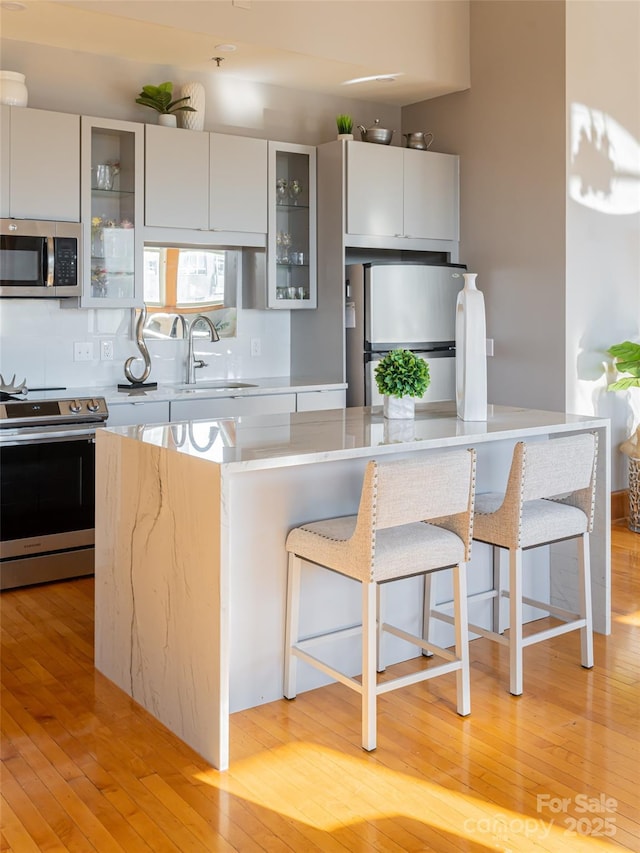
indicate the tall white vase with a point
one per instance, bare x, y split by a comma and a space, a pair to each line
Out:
471, 352
195, 92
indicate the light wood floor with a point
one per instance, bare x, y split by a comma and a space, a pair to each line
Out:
84, 768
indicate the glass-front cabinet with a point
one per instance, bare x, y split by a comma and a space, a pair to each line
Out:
291, 254
112, 211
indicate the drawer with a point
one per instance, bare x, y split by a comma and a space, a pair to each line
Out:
313, 401
229, 407
131, 414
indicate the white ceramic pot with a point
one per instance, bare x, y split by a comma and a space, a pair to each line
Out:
345, 136
195, 92
399, 407
167, 120
13, 90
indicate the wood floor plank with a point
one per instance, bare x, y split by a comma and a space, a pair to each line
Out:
85, 768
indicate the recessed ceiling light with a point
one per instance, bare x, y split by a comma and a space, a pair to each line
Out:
12, 6
226, 48
382, 78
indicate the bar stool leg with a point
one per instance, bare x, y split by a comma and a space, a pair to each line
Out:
369, 681
427, 606
498, 621
463, 687
380, 666
584, 592
515, 621
294, 568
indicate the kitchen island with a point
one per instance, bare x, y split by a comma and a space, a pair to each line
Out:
191, 521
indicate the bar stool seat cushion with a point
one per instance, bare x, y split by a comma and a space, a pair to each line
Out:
399, 551
541, 521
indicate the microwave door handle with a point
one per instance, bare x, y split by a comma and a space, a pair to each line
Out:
50, 257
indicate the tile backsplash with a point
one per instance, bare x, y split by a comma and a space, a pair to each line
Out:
37, 338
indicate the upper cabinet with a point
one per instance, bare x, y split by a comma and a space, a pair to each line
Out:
401, 193
205, 181
41, 156
176, 187
112, 187
238, 183
291, 240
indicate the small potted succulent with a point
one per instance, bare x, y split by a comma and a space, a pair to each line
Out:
345, 126
158, 98
401, 376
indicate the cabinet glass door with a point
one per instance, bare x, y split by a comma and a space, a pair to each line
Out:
112, 213
292, 227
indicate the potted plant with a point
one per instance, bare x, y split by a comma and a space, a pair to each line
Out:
401, 376
627, 361
158, 98
345, 126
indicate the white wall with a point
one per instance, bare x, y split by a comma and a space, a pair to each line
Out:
561, 280
37, 337
603, 207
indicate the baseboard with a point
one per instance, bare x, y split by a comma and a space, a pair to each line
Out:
619, 505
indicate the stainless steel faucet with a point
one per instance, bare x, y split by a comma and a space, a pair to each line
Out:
192, 361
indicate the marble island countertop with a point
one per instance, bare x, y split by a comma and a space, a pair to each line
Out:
191, 523
280, 440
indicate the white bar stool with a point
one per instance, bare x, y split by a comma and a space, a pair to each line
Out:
549, 497
386, 541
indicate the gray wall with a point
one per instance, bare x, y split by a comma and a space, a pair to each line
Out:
509, 131
560, 269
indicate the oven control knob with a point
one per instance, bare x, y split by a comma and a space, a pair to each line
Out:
93, 405
75, 406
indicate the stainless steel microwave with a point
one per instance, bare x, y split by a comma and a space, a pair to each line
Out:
40, 259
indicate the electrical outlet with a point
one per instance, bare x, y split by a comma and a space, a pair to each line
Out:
256, 347
83, 351
106, 350
489, 345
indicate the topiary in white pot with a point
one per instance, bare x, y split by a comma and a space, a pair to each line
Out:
401, 376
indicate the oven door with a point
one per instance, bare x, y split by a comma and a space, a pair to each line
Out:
47, 507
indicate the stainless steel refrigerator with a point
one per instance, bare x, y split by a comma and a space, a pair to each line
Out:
409, 306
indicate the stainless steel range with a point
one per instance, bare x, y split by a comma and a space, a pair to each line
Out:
47, 485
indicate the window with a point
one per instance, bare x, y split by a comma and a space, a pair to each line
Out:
185, 280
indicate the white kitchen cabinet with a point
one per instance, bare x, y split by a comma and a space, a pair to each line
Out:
375, 175
205, 181
431, 195
176, 177
40, 164
315, 401
228, 407
291, 240
112, 190
5, 159
138, 412
238, 183
401, 192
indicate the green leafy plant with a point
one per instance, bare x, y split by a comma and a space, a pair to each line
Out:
344, 123
627, 360
401, 373
159, 98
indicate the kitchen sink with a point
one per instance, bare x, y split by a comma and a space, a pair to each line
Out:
216, 385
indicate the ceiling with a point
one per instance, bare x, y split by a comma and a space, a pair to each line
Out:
313, 45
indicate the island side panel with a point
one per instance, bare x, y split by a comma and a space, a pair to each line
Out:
160, 626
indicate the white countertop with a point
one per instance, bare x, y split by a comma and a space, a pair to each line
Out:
281, 440
177, 391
